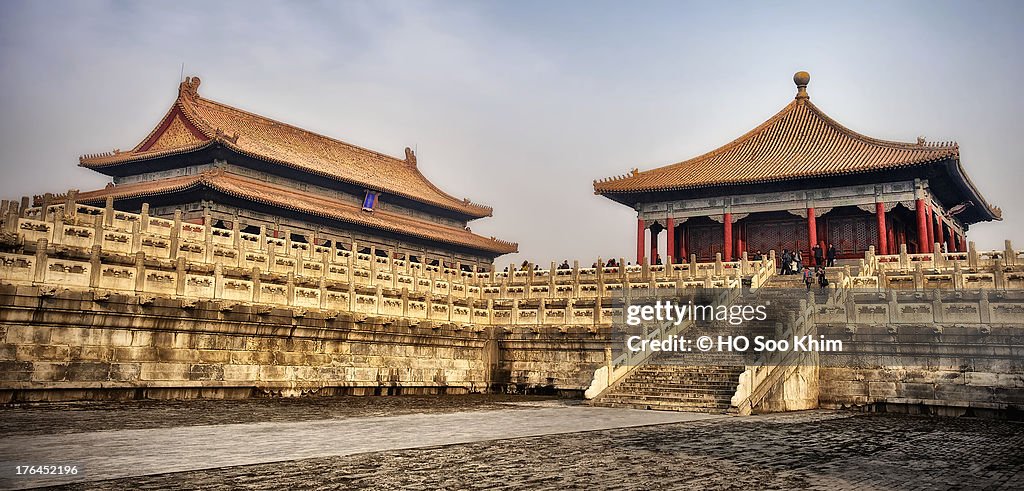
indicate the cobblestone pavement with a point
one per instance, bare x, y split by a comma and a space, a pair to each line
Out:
810, 450
138, 452
49, 418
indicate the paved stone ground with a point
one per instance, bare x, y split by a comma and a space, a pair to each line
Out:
811, 450
72, 417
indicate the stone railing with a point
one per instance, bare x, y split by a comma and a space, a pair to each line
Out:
920, 307
771, 370
617, 369
971, 270
80, 247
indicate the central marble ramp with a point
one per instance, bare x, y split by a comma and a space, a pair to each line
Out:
127, 453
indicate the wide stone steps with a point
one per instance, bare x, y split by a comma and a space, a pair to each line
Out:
706, 381
675, 388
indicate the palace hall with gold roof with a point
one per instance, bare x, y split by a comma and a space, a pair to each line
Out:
235, 169
798, 180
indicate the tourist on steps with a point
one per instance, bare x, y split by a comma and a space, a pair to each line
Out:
819, 257
831, 255
808, 278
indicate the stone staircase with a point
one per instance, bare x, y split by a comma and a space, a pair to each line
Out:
668, 387
688, 382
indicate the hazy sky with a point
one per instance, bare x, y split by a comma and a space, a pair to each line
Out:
518, 105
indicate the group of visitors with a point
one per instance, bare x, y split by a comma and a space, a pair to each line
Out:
818, 274
823, 258
793, 263
612, 263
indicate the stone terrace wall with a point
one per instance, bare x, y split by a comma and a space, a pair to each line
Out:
72, 345
938, 351
101, 303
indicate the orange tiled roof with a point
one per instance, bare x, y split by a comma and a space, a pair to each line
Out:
800, 141
194, 122
313, 204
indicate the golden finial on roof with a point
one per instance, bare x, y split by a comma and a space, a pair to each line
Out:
801, 79
189, 87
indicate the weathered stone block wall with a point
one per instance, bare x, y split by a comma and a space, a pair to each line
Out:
548, 357
74, 345
950, 369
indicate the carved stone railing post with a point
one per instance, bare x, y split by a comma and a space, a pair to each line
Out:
290, 288
71, 206
904, 257
351, 296
179, 268
140, 271
175, 234
1009, 257
937, 313
11, 224
257, 284
218, 280
405, 301
108, 211
997, 273
972, 256
136, 236
236, 234
98, 232
350, 261
95, 265
144, 218
985, 308
373, 264
322, 287
40, 272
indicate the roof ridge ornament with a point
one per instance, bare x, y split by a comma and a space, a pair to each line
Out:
801, 79
189, 87
410, 156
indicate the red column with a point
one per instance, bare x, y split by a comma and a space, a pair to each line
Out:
963, 243
741, 239
812, 230
931, 229
894, 247
654, 246
684, 251
938, 230
922, 226
883, 245
949, 238
671, 240
727, 240
640, 241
